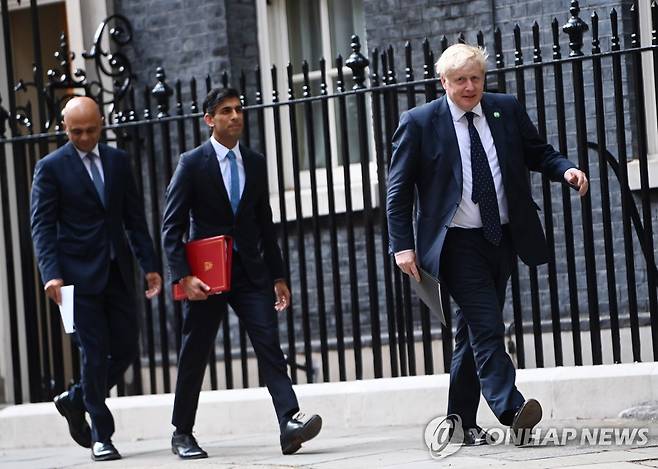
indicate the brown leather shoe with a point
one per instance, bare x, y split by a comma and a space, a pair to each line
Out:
525, 419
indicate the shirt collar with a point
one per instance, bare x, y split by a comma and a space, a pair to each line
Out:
82, 154
221, 151
457, 112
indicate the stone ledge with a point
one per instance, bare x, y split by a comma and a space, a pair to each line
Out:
586, 392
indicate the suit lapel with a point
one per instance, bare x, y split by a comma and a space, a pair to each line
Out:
215, 173
443, 125
495, 119
81, 173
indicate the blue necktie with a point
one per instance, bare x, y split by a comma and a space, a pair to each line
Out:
484, 190
234, 192
96, 177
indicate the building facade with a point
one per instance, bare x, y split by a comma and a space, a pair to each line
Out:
216, 42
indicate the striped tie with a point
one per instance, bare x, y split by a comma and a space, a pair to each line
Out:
96, 177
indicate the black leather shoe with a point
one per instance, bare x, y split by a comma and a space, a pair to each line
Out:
75, 416
186, 447
525, 419
476, 436
297, 430
104, 452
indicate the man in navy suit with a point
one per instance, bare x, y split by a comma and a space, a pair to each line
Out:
220, 188
86, 218
466, 155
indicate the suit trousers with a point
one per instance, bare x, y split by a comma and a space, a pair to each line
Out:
106, 332
255, 308
476, 274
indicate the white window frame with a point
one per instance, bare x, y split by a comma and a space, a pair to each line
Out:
272, 23
649, 105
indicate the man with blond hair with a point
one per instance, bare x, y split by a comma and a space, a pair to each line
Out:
466, 155
87, 221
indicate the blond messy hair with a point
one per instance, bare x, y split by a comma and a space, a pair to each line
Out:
457, 56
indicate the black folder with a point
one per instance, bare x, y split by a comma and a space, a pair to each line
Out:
429, 290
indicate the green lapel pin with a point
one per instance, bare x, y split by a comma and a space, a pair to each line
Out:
496, 114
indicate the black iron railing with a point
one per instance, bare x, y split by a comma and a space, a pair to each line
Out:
353, 314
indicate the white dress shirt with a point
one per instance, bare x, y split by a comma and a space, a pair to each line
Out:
87, 163
224, 165
468, 213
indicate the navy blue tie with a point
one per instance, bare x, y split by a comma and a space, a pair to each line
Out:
96, 177
234, 192
484, 190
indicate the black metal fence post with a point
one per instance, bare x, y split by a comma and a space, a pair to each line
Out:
560, 112
576, 28
605, 190
620, 124
315, 221
642, 149
548, 202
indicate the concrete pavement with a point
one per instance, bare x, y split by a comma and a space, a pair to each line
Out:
363, 447
368, 423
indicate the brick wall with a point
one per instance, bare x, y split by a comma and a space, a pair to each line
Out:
191, 38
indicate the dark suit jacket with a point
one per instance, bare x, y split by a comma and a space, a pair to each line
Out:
71, 229
426, 156
197, 201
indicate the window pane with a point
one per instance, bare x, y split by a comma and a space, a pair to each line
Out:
345, 19
303, 126
304, 37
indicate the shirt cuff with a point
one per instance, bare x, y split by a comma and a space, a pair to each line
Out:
403, 251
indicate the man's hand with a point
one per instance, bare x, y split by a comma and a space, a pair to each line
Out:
406, 261
282, 295
154, 282
577, 179
194, 288
53, 289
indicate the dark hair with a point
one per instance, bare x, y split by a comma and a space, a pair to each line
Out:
215, 96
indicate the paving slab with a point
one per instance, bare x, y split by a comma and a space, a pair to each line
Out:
360, 447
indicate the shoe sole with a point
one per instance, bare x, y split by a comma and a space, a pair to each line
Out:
79, 439
197, 456
529, 416
112, 457
310, 431
480, 442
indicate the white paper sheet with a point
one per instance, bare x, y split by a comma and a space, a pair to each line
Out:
66, 309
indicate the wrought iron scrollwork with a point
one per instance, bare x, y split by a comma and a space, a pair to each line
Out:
113, 64
63, 83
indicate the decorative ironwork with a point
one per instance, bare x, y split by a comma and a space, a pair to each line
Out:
112, 64
161, 92
575, 28
63, 83
358, 63
58, 79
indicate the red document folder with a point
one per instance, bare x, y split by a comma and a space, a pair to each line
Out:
210, 260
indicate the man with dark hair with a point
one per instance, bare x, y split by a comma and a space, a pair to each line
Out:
87, 216
220, 188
